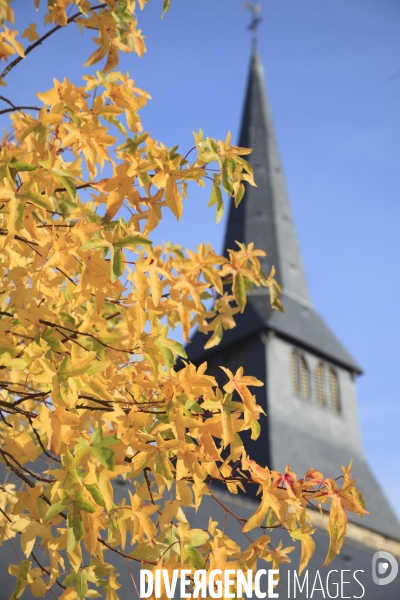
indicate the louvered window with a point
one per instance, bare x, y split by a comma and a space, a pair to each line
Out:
333, 384
304, 378
293, 372
299, 375
319, 385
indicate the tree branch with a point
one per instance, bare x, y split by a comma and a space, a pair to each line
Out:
31, 473
35, 431
44, 570
18, 108
44, 37
85, 333
19, 238
147, 562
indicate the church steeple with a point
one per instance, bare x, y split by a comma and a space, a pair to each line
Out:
265, 216
309, 395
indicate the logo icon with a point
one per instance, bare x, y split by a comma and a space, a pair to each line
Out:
384, 568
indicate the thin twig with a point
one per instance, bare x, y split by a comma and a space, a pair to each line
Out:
147, 562
148, 483
31, 473
85, 333
38, 42
13, 107
19, 238
18, 108
35, 431
44, 570
4, 420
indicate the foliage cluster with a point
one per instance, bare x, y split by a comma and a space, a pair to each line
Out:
90, 391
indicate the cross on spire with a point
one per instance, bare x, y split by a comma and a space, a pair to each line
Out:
255, 9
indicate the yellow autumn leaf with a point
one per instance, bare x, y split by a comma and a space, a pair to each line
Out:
31, 33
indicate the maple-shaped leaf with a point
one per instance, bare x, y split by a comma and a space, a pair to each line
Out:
168, 348
99, 445
80, 580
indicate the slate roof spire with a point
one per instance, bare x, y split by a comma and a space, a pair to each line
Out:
265, 216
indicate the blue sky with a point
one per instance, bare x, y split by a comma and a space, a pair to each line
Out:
333, 77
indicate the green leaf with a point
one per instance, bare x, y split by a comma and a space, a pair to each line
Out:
144, 178
99, 446
94, 491
168, 347
133, 144
105, 456
117, 264
166, 7
194, 557
54, 343
109, 440
167, 354
82, 503
193, 406
68, 183
239, 291
172, 345
19, 220
75, 523
74, 369
163, 468
81, 583
24, 566
15, 212
16, 363
239, 195
359, 497
4, 171
213, 145
37, 199
96, 436
57, 508
197, 537
17, 166
255, 430
94, 244
80, 450
80, 580
29, 129
270, 518
226, 182
46, 163
145, 552
132, 240
216, 198
97, 366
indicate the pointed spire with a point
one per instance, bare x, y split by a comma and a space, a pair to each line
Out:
264, 215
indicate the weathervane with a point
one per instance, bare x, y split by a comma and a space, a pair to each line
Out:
255, 10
